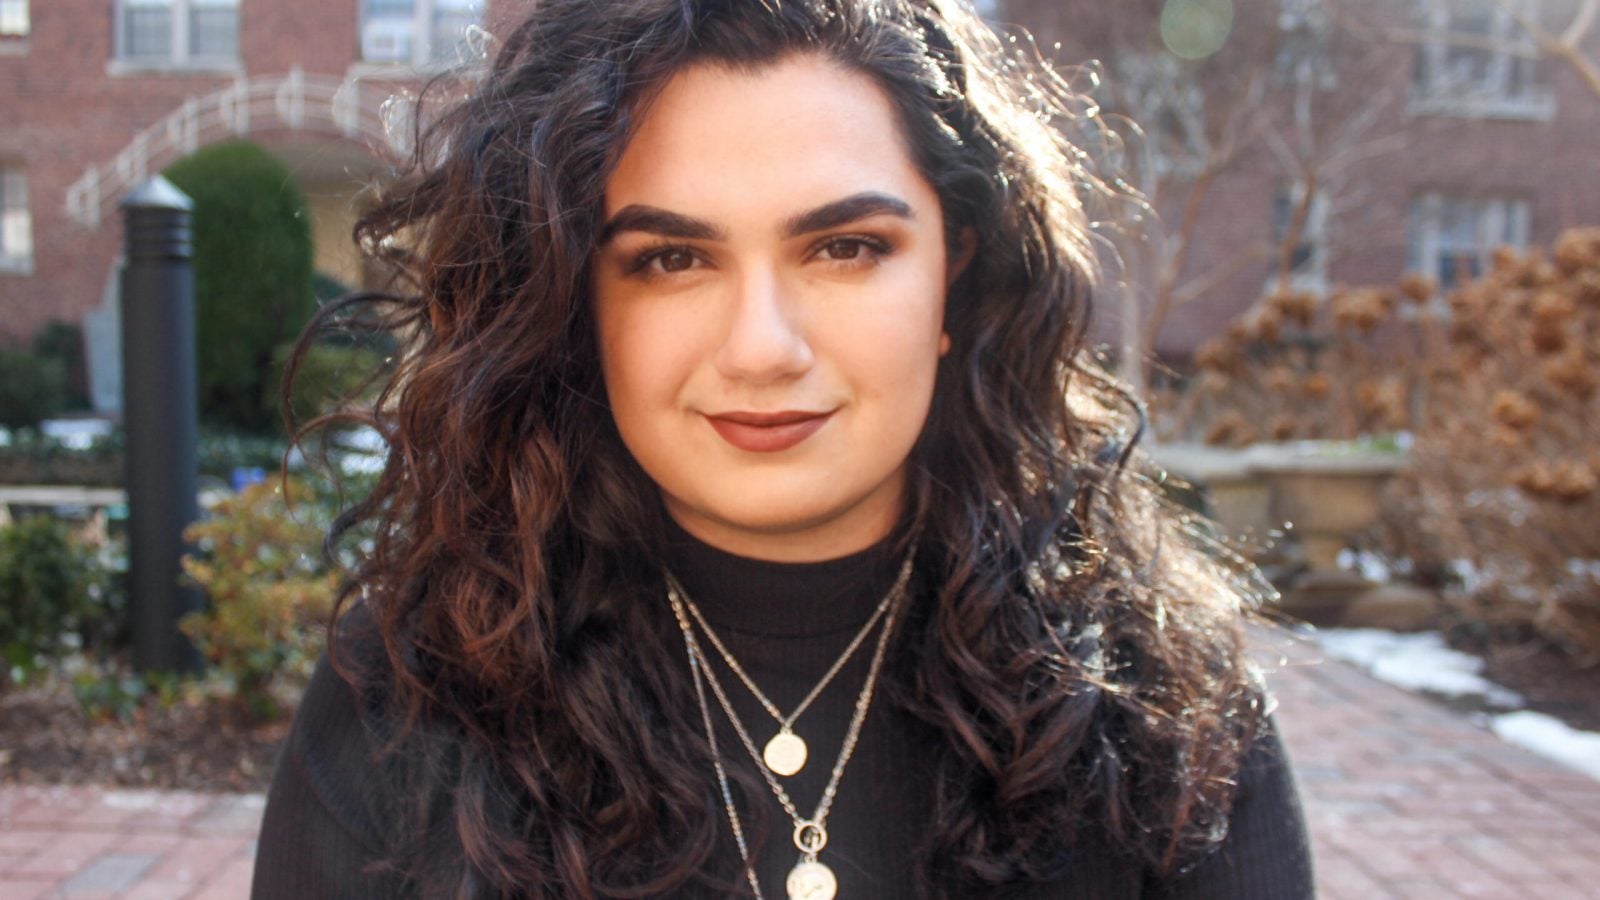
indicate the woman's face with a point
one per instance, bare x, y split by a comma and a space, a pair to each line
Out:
769, 291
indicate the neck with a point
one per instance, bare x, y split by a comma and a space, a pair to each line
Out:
836, 534
764, 597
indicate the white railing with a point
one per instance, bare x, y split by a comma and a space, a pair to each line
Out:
372, 113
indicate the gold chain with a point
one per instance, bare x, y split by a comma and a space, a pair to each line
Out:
810, 835
787, 722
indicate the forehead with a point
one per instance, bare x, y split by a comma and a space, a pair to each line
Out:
799, 131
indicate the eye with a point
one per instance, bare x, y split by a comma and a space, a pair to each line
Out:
852, 248
672, 259
663, 261
843, 249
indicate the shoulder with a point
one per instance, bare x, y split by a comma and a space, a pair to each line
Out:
325, 832
339, 733
1266, 852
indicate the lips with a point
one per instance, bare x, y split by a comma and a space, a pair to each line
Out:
767, 432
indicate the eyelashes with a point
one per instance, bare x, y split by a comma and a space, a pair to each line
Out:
845, 251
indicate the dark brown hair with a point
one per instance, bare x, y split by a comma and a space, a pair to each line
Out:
1077, 648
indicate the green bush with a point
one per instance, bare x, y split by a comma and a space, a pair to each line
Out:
32, 458
328, 375
63, 340
53, 590
32, 387
221, 452
253, 268
260, 564
325, 287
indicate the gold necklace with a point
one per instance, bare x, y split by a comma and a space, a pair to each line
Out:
786, 752
810, 879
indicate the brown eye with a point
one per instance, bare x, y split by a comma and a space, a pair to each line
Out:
675, 261
843, 250
856, 249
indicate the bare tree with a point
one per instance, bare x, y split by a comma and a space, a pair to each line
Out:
1290, 91
1572, 45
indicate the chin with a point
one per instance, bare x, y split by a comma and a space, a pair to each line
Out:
773, 515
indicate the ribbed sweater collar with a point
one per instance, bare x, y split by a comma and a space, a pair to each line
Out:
769, 599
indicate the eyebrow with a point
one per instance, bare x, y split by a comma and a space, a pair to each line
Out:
658, 221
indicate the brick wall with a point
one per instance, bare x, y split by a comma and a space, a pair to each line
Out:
1550, 162
67, 109
68, 105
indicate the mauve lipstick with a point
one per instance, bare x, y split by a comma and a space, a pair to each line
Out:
767, 432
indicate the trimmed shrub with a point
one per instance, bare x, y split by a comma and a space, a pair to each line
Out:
32, 387
253, 267
63, 340
53, 590
329, 374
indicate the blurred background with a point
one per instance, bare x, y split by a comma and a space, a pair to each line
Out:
1352, 263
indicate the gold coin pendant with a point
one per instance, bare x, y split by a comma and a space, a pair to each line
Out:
785, 754
811, 880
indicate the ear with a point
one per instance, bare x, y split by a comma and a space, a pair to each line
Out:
960, 255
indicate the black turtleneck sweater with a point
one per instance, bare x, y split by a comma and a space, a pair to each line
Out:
785, 624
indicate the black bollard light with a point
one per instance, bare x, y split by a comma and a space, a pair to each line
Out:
159, 416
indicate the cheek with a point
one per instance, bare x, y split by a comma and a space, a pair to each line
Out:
642, 359
895, 353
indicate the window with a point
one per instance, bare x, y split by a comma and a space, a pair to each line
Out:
1475, 59
1451, 237
1308, 261
417, 32
1302, 56
13, 18
178, 32
1154, 90
16, 223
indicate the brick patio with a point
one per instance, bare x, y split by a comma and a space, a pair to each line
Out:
1406, 799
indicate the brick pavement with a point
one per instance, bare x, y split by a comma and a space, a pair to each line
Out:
1407, 800
84, 843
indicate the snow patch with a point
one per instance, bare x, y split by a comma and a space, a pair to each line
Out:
1418, 662
1422, 662
1552, 738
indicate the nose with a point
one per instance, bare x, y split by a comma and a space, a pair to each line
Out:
765, 339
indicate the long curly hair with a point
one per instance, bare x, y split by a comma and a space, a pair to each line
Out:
1075, 644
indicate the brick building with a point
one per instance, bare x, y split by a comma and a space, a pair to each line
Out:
96, 94
1471, 137
1498, 142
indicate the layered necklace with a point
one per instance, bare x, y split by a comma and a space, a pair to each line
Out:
786, 753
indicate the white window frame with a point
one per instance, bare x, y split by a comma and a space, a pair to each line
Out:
14, 20
181, 56
1302, 54
418, 28
1313, 274
16, 221
1498, 94
1170, 109
1497, 221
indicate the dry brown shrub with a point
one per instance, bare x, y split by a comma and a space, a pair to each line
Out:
1513, 410
1283, 428
1576, 250
1417, 288
1547, 338
1574, 374
1586, 287
1500, 394
1298, 307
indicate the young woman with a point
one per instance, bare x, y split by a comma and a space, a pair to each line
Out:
753, 522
